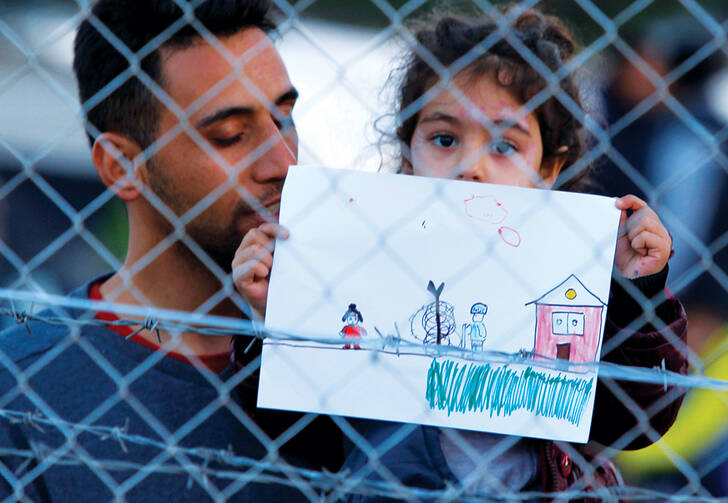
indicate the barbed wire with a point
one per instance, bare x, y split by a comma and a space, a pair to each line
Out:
202, 464
271, 471
392, 343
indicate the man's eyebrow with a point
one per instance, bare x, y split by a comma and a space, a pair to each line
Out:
223, 114
227, 112
290, 95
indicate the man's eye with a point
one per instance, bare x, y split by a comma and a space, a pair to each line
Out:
226, 142
284, 124
444, 140
503, 147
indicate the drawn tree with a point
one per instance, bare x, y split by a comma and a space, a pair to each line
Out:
447, 323
433, 323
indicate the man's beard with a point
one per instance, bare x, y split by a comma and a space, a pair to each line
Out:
219, 244
220, 248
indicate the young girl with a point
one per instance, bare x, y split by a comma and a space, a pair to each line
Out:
489, 121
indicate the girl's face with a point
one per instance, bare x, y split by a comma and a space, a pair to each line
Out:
454, 139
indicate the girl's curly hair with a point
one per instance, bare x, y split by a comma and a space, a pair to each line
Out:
448, 38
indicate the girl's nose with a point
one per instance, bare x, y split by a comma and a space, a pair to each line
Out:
475, 166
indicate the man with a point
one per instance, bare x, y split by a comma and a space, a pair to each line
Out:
196, 141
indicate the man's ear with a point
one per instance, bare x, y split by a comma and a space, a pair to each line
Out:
116, 160
551, 166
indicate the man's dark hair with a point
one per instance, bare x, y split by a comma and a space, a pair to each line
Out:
131, 109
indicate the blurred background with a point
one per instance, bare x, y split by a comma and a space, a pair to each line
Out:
667, 148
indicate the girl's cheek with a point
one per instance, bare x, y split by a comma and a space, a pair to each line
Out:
531, 157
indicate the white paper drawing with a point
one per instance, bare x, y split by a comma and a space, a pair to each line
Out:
422, 275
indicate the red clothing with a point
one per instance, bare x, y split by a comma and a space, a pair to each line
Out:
215, 362
353, 331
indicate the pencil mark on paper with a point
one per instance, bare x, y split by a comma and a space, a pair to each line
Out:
485, 208
459, 387
434, 323
352, 331
510, 236
489, 209
568, 322
475, 333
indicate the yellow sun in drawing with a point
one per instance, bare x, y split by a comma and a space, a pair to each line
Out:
570, 294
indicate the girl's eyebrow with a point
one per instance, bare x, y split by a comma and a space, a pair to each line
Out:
501, 124
441, 116
506, 124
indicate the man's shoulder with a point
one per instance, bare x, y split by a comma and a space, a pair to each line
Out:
36, 333
33, 336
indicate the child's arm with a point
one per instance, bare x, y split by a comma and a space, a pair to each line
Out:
252, 263
642, 252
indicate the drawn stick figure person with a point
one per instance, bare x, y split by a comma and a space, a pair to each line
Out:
352, 330
475, 331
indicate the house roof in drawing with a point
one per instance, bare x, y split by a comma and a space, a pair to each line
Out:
570, 292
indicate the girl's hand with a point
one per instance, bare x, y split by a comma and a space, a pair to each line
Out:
643, 245
252, 263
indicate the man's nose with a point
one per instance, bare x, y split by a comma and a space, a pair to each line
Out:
274, 155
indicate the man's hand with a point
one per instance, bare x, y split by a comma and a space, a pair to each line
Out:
644, 244
252, 263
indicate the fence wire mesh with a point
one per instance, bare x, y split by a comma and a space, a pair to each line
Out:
129, 428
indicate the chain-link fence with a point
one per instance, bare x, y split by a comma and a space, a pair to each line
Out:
126, 389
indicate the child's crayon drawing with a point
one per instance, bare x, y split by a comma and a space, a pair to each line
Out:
488, 209
495, 338
475, 333
352, 330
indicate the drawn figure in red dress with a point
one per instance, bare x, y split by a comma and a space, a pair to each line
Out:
352, 317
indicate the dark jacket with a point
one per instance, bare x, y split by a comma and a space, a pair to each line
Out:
412, 453
614, 422
72, 371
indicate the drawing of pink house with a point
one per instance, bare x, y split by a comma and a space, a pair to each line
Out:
568, 322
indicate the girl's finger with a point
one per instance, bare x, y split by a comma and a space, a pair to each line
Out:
255, 252
648, 243
274, 230
250, 272
264, 235
629, 202
647, 221
254, 240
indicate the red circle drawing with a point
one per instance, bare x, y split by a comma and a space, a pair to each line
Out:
510, 236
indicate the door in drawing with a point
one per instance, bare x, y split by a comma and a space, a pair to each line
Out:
563, 351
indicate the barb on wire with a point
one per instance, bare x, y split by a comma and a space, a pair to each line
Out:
21, 317
393, 343
150, 324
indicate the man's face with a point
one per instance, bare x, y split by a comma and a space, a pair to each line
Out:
245, 120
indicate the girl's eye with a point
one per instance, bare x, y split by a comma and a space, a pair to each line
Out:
444, 140
503, 147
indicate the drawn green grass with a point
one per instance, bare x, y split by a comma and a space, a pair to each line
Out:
472, 387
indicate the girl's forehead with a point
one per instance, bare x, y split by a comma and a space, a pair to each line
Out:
473, 99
